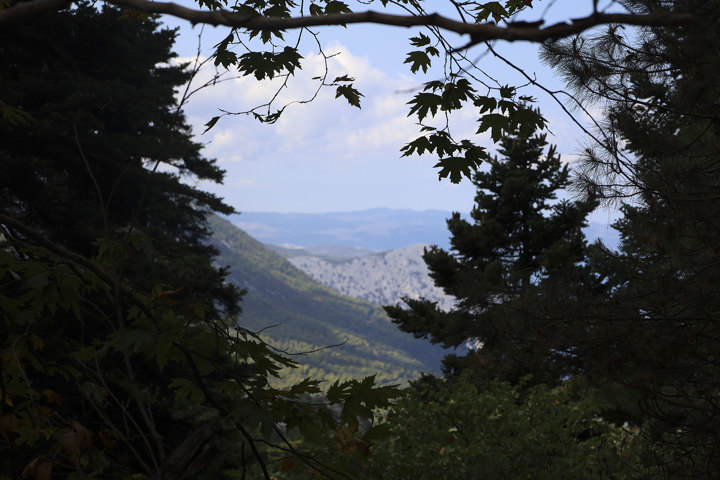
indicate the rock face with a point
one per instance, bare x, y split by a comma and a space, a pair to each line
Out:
381, 278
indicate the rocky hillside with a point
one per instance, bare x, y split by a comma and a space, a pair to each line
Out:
381, 278
297, 314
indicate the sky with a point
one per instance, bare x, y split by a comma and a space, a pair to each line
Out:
329, 156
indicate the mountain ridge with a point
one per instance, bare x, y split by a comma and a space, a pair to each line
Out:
377, 229
297, 314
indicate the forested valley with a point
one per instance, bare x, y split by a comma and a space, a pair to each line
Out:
137, 325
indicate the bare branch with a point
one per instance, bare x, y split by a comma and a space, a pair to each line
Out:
478, 32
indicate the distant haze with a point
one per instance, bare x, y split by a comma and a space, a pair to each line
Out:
377, 229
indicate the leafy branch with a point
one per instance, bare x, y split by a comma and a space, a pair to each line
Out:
479, 32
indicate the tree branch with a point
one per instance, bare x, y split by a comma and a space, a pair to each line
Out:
56, 249
31, 9
478, 32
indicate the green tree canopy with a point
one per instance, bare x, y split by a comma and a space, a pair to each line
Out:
520, 240
101, 146
120, 351
455, 429
650, 311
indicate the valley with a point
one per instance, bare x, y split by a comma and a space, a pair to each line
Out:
319, 281
349, 337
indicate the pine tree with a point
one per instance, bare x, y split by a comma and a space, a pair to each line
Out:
79, 161
521, 237
100, 149
652, 310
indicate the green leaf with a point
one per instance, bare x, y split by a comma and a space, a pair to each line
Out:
486, 104
507, 106
417, 60
85, 354
432, 51
419, 145
335, 6
288, 60
420, 41
528, 120
351, 94
434, 86
343, 78
439, 142
14, 115
362, 397
454, 94
494, 9
336, 392
225, 57
306, 386
279, 9
268, 64
211, 4
377, 432
442, 143
507, 91
496, 123
474, 154
184, 388
211, 123
130, 339
424, 102
455, 168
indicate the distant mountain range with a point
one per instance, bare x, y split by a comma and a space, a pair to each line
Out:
297, 314
378, 229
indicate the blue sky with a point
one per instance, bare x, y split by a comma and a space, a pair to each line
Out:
329, 156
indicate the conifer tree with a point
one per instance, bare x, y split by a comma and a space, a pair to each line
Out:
520, 237
652, 310
121, 355
102, 146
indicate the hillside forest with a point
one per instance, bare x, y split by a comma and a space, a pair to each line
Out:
144, 336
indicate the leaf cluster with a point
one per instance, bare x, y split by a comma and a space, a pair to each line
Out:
459, 429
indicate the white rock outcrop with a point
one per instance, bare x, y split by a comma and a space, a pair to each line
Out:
381, 278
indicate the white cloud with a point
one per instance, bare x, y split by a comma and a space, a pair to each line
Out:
325, 154
220, 139
386, 134
241, 182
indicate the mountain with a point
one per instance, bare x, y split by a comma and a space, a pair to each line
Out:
380, 278
328, 252
296, 314
377, 229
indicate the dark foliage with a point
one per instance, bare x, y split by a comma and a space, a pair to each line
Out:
504, 264
99, 147
120, 352
652, 310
